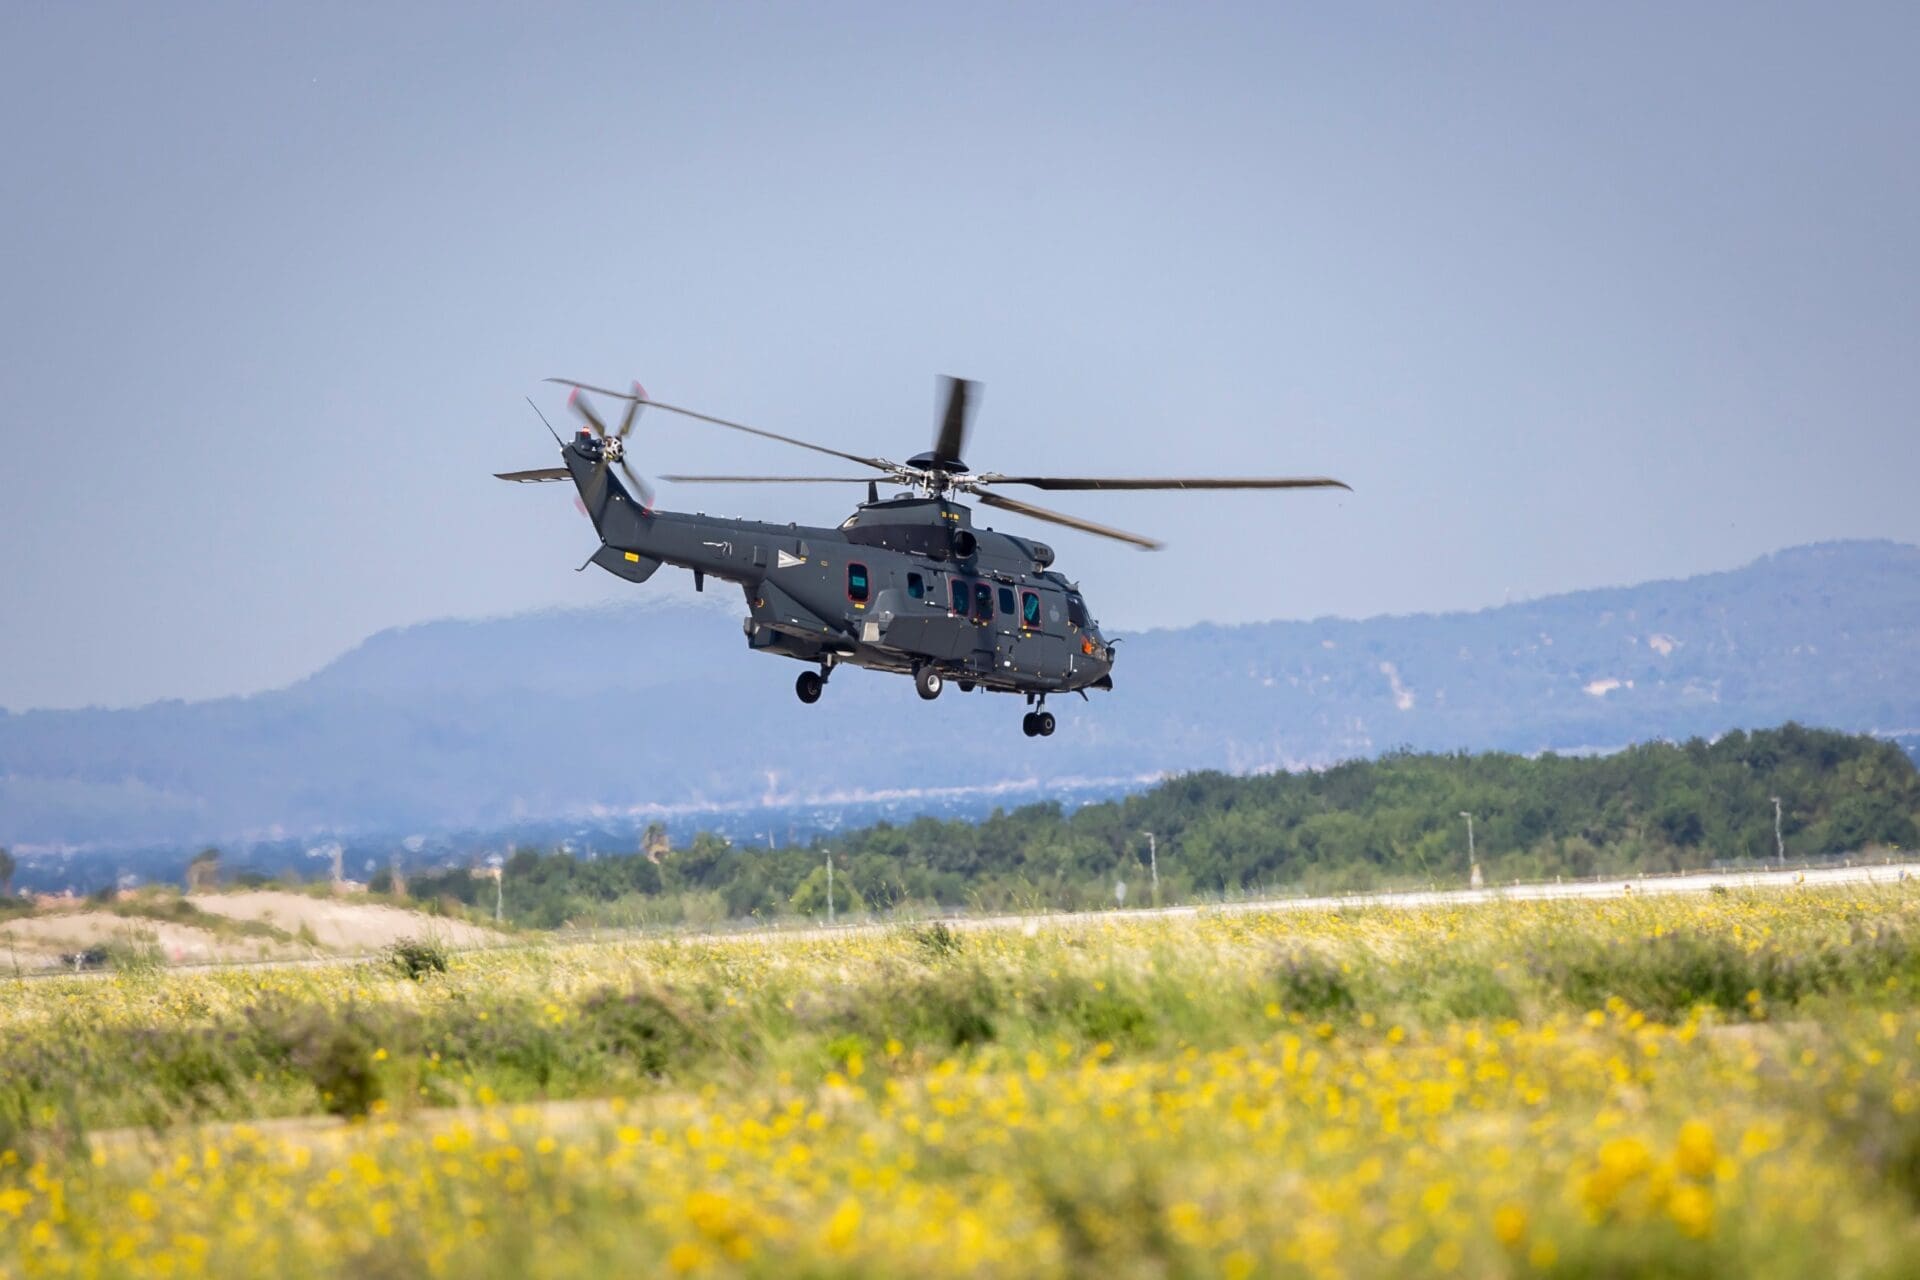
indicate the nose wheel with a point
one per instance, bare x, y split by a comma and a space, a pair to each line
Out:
810, 686
1037, 724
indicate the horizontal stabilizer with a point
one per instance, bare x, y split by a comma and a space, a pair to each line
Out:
630, 565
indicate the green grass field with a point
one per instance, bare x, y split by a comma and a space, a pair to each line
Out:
1725, 1084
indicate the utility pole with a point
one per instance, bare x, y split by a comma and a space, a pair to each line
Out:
1473, 859
1153, 864
829, 886
1779, 844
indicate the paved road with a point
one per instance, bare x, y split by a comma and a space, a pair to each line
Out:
1689, 882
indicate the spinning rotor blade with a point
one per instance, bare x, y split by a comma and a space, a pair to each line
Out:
766, 479
1072, 522
585, 410
539, 476
641, 488
879, 464
633, 410
1165, 482
952, 436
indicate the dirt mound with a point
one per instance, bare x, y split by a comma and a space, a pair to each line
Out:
38, 941
258, 925
341, 924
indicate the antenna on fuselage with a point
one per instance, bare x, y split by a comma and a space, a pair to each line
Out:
543, 422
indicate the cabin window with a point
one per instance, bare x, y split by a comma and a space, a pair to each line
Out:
1006, 601
1077, 612
959, 597
1029, 608
982, 602
916, 587
857, 584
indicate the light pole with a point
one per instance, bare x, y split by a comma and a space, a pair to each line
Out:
1153, 865
1473, 860
1779, 844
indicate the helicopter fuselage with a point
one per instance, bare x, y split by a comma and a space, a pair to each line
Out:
903, 585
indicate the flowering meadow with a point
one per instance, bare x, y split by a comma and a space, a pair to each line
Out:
1726, 1084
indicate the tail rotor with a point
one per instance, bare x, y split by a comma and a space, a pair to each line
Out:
612, 448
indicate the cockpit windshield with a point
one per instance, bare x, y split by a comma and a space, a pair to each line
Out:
1077, 611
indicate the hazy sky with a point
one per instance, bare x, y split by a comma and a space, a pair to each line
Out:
1571, 296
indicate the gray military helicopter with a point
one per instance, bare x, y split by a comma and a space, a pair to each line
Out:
904, 584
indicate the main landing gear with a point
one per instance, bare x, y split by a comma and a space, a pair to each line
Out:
1038, 723
811, 684
927, 682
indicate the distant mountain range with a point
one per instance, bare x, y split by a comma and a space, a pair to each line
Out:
650, 706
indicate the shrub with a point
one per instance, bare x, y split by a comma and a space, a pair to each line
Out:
1472, 991
137, 952
953, 1006
937, 940
1669, 974
1097, 1009
416, 958
336, 1053
648, 1026
1311, 983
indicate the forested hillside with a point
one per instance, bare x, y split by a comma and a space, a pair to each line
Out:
476, 725
1359, 825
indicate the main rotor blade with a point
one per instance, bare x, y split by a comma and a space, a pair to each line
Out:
1166, 482
952, 436
641, 488
585, 410
766, 479
539, 476
879, 464
1072, 522
633, 410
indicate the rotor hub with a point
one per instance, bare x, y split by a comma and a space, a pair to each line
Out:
937, 462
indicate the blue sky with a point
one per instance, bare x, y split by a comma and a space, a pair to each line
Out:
1570, 296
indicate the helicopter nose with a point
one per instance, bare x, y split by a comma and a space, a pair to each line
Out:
1097, 651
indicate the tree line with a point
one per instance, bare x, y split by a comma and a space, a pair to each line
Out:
1395, 820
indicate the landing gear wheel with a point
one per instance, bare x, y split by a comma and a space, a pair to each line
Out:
1043, 723
809, 686
964, 686
928, 683
1027, 725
